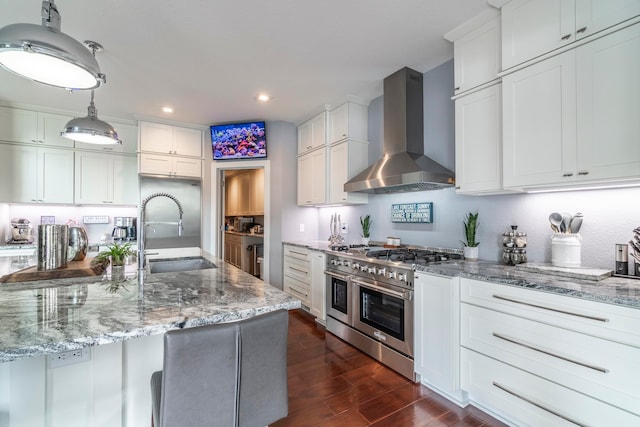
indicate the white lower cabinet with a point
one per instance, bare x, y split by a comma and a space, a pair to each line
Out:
543, 359
36, 174
437, 334
105, 179
318, 285
111, 389
297, 273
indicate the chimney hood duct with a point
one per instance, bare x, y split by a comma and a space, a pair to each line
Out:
403, 166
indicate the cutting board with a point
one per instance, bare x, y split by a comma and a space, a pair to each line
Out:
84, 268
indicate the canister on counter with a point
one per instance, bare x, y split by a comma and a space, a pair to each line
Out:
53, 244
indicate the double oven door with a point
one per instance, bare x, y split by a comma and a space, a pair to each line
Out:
379, 311
384, 313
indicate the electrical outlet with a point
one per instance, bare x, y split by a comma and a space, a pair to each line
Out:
345, 229
69, 357
302, 228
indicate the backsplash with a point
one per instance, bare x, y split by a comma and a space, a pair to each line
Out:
62, 215
609, 218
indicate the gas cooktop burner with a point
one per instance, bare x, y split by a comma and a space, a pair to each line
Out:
411, 256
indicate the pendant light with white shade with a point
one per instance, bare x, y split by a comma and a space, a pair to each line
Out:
91, 129
44, 54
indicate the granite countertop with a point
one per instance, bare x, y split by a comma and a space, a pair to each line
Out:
613, 290
52, 316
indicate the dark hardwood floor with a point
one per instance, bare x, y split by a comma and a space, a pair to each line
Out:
333, 384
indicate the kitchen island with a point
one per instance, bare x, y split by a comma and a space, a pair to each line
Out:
80, 352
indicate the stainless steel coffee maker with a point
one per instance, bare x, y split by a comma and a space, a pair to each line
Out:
21, 232
125, 228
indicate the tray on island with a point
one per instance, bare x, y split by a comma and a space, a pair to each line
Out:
85, 268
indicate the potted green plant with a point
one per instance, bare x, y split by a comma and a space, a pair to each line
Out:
471, 245
365, 222
116, 253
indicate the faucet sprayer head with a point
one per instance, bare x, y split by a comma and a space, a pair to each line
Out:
180, 227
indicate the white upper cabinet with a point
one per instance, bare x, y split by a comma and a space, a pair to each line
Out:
33, 127
573, 118
173, 140
348, 121
312, 133
479, 141
539, 122
476, 51
531, 28
608, 107
127, 133
36, 174
105, 179
312, 178
167, 165
346, 159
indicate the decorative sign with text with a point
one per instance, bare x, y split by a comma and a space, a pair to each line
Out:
412, 212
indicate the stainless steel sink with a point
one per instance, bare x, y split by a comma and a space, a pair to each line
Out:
179, 264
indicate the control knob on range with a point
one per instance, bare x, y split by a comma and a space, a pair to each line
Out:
363, 268
402, 277
382, 272
356, 266
392, 275
334, 262
346, 263
371, 270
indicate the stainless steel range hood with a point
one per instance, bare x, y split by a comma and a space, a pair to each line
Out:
403, 167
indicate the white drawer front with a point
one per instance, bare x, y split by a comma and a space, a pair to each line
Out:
297, 252
298, 269
528, 400
298, 289
607, 321
603, 369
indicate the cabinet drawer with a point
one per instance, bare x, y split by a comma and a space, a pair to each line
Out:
593, 318
599, 368
528, 400
297, 269
297, 252
298, 289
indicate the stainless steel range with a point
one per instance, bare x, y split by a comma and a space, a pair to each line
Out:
370, 299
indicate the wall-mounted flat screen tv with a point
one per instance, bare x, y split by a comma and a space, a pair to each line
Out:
237, 141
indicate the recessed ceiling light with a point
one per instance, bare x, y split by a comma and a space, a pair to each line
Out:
263, 97
167, 109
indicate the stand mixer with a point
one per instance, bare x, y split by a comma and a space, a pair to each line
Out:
21, 232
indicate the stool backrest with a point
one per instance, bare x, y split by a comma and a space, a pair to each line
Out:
228, 374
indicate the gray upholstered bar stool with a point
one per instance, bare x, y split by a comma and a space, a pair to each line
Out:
227, 374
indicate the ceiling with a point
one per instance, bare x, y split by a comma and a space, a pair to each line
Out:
209, 59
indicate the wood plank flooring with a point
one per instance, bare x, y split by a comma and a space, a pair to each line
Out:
333, 384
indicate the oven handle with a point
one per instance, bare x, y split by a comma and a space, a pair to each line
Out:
339, 276
401, 295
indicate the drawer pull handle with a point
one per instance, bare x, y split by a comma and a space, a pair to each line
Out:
565, 37
298, 253
298, 270
531, 347
581, 30
530, 304
538, 405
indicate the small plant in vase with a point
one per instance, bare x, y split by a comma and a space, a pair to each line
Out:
116, 253
365, 222
470, 227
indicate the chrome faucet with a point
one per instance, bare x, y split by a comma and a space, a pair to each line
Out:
143, 224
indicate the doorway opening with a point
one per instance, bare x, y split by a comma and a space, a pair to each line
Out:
241, 231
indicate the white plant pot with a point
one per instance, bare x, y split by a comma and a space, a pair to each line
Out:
365, 240
471, 253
